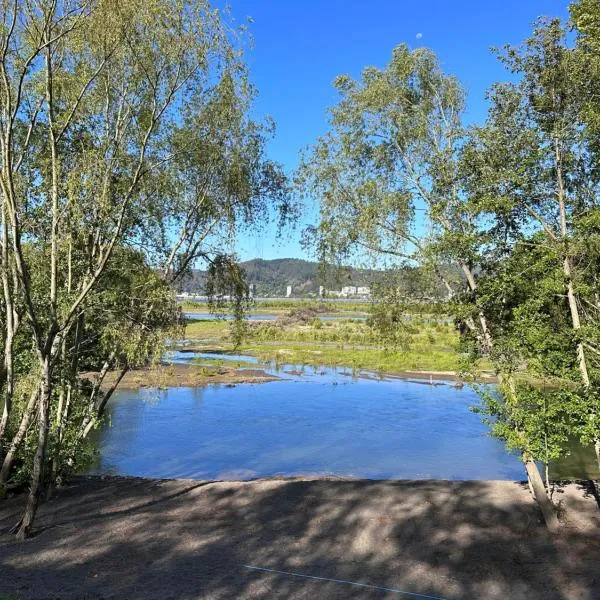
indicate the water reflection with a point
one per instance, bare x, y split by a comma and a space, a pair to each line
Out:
316, 420
326, 423
186, 357
218, 317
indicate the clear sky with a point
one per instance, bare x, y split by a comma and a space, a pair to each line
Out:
301, 45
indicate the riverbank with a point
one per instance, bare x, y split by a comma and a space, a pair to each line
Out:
136, 538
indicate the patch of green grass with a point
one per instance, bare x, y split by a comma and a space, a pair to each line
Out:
431, 344
212, 329
371, 359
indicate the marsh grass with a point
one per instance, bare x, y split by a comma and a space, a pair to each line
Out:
429, 343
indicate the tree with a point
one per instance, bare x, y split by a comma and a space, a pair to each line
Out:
389, 167
532, 172
106, 111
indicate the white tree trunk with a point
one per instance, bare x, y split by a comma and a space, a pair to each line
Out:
541, 496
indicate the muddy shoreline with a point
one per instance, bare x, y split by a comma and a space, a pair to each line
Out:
176, 375
180, 375
154, 539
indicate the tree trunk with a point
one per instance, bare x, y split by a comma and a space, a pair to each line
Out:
486, 336
92, 402
567, 267
64, 404
8, 377
18, 438
62, 417
37, 478
576, 322
540, 495
87, 426
12, 321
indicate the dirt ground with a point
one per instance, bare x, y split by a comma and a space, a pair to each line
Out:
311, 539
175, 375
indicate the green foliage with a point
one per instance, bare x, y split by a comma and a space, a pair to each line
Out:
537, 422
130, 156
430, 344
392, 145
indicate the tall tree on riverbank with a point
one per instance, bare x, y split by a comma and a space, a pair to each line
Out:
387, 174
532, 172
103, 108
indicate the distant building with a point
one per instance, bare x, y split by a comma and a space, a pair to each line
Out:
252, 290
288, 291
321, 291
350, 291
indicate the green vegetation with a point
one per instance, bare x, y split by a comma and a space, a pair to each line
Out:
277, 306
328, 306
219, 362
428, 344
129, 156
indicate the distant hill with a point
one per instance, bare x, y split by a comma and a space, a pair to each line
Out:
271, 278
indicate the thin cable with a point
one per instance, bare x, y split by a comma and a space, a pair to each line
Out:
364, 585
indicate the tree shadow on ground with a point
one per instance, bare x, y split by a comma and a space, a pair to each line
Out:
128, 538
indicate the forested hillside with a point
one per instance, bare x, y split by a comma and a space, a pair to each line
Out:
271, 278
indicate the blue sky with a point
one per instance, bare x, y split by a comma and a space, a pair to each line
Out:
301, 45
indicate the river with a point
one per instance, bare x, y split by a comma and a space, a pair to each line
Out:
310, 422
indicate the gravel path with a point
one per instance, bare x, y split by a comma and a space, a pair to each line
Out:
304, 539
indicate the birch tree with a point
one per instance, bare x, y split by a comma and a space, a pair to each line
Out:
537, 182
386, 176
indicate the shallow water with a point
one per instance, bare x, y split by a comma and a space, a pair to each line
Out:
217, 317
183, 357
323, 422
316, 420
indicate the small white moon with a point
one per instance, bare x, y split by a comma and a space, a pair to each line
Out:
419, 36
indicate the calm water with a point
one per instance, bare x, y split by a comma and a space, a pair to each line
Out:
320, 423
216, 317
312, 421
183, 357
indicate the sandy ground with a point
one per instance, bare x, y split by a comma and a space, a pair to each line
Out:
134, 538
